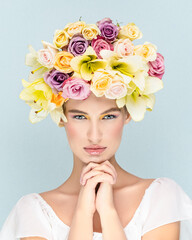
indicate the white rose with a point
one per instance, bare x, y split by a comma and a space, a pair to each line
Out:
46, 57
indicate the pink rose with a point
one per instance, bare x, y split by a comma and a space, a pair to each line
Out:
76, 88
157, 67
99, 44
124, 47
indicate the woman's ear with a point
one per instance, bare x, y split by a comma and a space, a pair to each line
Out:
127, 115
128, 118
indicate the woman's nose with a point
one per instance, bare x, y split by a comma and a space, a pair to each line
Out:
94, 132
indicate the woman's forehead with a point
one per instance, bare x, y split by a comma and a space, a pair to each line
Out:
92, 102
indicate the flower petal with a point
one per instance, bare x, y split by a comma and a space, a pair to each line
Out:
136, 106
97, 63
134, 63
58, 114
120, 66
37, 74
121, 102
106, 54
150, 101
36, 115
139, 80
90, 51
152, 85
31, 57
86, 71
76, 62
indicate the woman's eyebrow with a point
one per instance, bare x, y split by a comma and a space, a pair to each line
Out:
109, 110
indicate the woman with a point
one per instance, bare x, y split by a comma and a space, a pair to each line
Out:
99, 200
121, 200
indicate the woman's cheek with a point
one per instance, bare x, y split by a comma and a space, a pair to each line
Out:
115, 130
72, 131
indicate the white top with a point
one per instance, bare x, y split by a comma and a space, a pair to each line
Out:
164, 202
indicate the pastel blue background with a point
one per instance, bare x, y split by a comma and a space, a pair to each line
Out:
37, 158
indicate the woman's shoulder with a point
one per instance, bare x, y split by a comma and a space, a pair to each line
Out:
165, 202
25, 200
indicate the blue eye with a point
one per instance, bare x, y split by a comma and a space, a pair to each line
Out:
111, 115
78, 116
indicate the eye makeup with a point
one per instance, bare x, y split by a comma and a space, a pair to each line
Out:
101, 117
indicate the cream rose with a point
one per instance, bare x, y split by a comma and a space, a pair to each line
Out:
101, 81
60, 38
73, 28
117, 89
46, 57
130, 31
90, 31
147, 50
124, 47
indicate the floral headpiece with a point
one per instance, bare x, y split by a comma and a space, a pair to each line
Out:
97, 57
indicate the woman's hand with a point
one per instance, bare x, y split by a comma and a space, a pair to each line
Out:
106, 175
86, 199
104, 198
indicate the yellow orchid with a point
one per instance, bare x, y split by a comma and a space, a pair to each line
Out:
38, 95
87, 64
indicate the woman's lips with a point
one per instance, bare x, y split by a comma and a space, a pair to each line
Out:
94, 151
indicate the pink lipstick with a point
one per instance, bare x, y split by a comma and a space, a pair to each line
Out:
94, 149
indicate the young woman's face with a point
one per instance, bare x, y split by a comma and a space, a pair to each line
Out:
94, 121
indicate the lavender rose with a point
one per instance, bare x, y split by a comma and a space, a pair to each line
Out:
55, 80
78, 44
76, 88
108, 30
157, 67
99, 44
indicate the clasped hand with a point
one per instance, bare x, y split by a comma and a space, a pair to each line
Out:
106, 175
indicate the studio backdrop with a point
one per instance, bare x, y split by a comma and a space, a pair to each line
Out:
37, 157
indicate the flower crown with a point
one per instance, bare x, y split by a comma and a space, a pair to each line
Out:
97, 57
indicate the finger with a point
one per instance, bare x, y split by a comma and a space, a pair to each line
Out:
104, 177
105, 168
87, 168
89, 175
111, 166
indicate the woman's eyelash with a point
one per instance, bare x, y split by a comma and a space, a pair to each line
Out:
113, 116
110, 115
77, 116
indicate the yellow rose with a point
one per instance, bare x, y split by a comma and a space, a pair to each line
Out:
147, 50
90, 31
101, 81
73, 28
60, 38
130, 31
62, 61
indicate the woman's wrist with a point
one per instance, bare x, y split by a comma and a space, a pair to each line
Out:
107, 212
84, 212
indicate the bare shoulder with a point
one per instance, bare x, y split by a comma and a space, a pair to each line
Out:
133, 181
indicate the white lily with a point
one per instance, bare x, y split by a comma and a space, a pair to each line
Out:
139, 101
57, 114
37, 70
